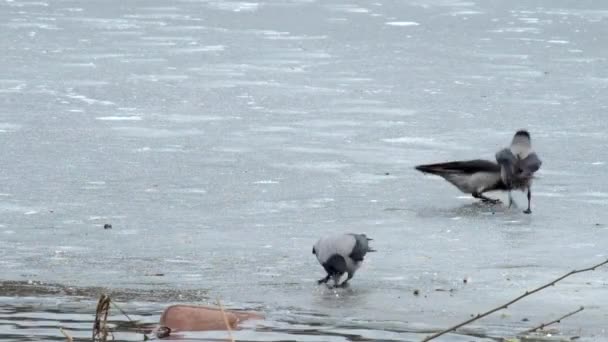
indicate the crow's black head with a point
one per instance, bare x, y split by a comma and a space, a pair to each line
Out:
522, 133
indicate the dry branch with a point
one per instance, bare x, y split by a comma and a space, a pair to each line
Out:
504, 306
542, 326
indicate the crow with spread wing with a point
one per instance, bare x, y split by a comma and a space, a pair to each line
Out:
518, 163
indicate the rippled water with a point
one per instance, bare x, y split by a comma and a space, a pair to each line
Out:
222, 138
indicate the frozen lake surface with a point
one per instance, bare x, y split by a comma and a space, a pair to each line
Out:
221, 139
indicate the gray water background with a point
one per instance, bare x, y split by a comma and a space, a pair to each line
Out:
221, 139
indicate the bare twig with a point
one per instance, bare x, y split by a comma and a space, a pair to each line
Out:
67, 336
542, 326
219, 303
121, 311
504, 306
129, 318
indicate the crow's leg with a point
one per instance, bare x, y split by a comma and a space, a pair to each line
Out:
529, 211
324, 280
485, 198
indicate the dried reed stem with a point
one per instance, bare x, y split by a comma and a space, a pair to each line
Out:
100, 328
67, 336
504, 306
219, 303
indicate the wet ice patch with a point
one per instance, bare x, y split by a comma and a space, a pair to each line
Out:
127, 232
529, 20
235, 6
191, 191
402, 23
547, 194
92, 187
516, 30
12, 86
348, 8
266, 182
27, 3
205, 48
6, 127
492, 56
311, 150
31, 25
183, 118
273, 129
465, 13
80, 65
159, 77
105, 23
337, 20
89, 100
329, 123
72, 9
142, 132
325, 167
4, 206
118, 118
275, 35
178, 261
430, 142
597, 194
375, 110
357, 10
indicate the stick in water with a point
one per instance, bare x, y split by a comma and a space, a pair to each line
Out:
504, 306
544, 325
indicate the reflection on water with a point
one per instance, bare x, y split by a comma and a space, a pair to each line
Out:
39, 317
35, 312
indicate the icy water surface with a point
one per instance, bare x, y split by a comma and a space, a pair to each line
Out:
222, 138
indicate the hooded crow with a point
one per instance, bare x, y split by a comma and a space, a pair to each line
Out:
339, 254
518, 164
470, 176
